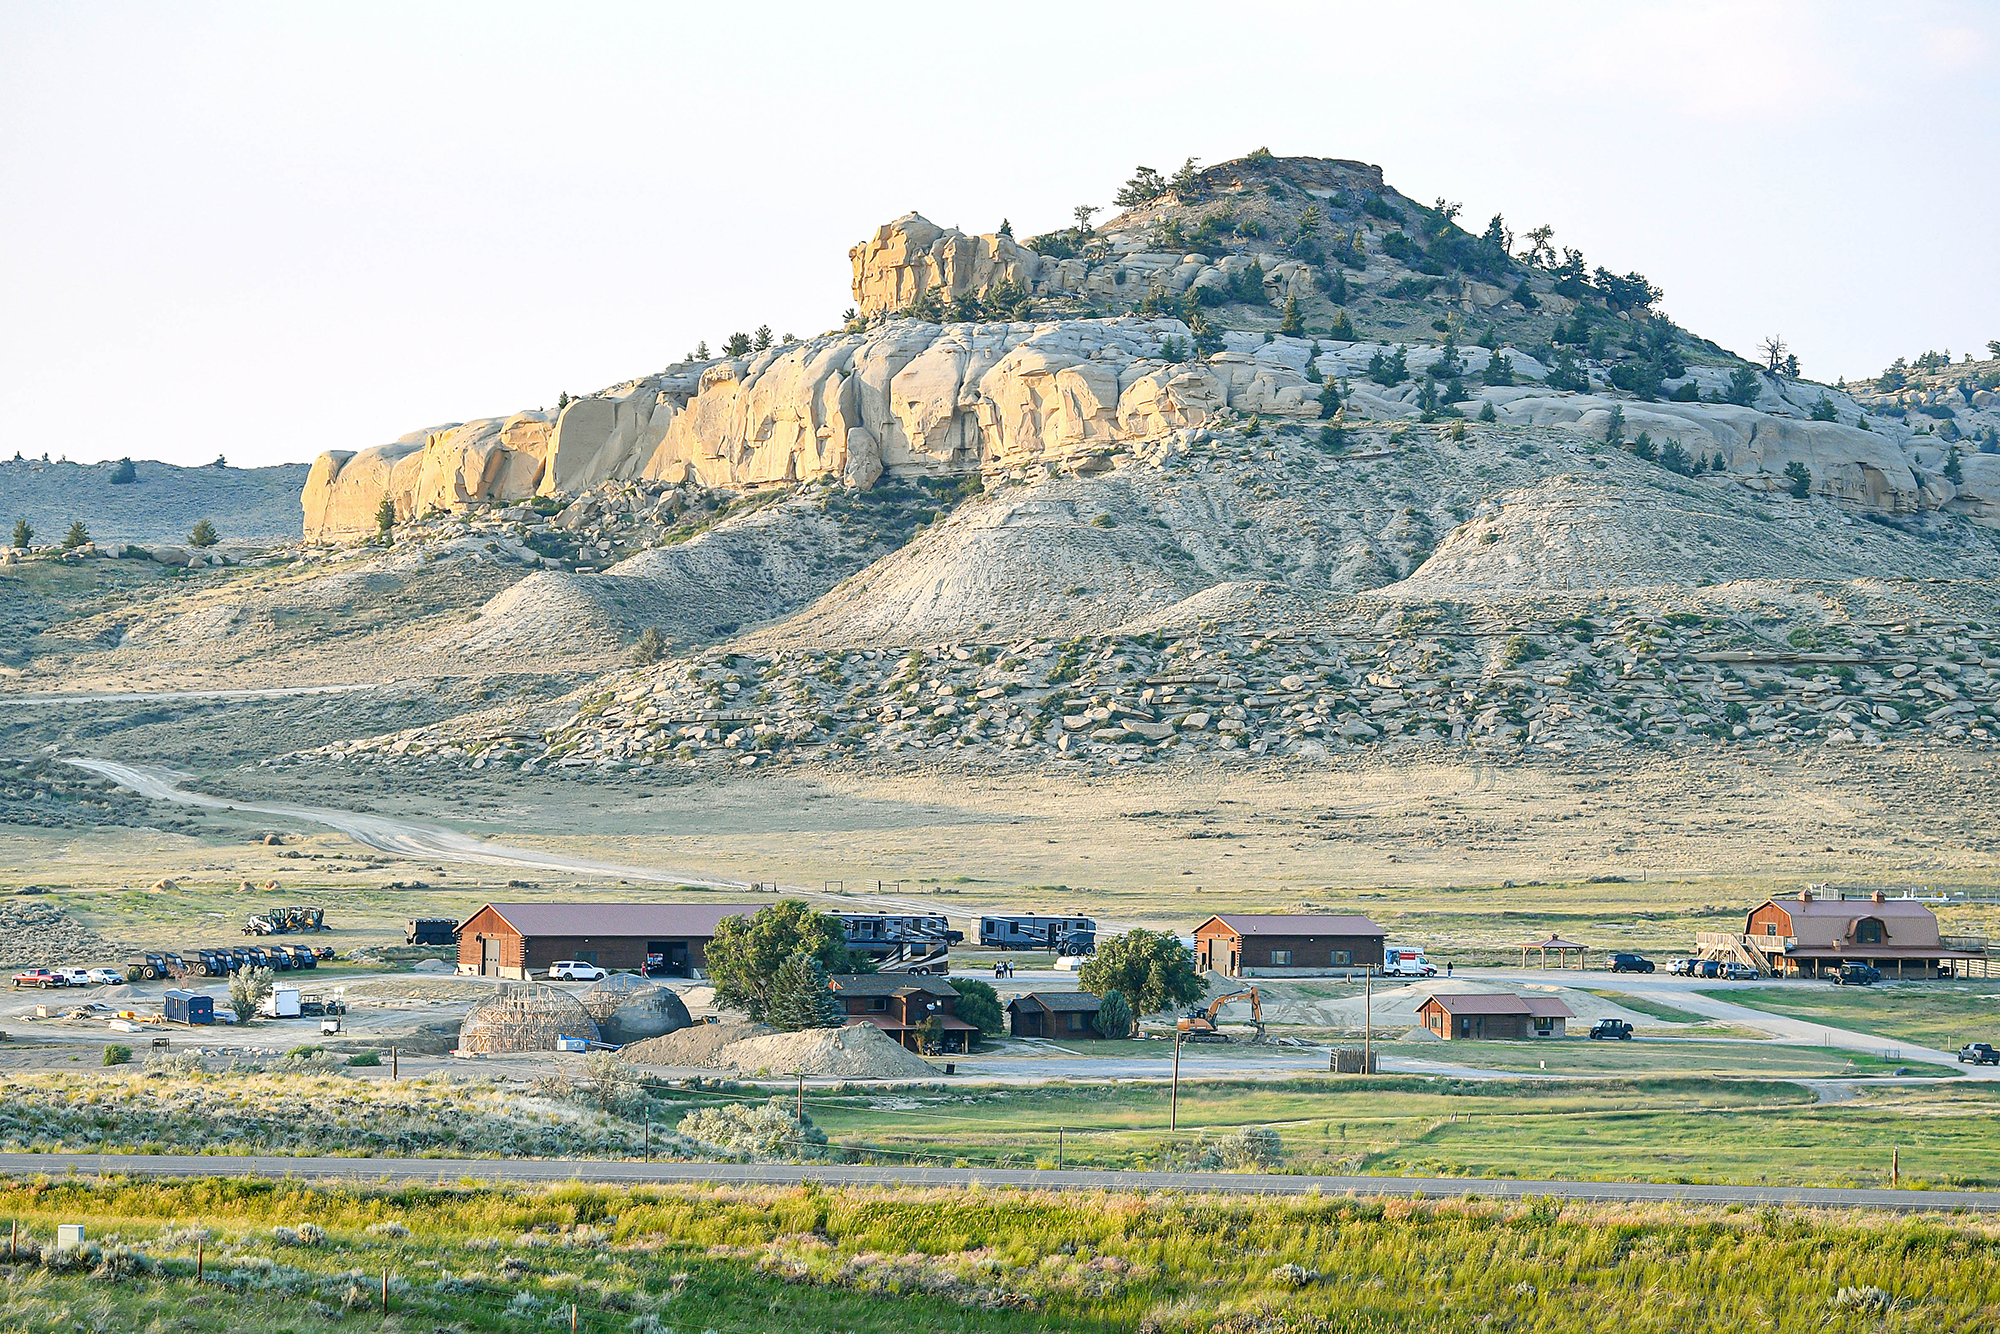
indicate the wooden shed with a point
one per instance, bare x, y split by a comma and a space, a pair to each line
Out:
519, 940
1287, 944
1493, 1016
1053, 1014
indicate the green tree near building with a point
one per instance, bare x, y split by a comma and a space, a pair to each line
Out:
1114, 1016
1150, 969
979, 1005
801, 998
746, 953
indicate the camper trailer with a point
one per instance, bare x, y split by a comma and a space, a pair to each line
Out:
1069, 934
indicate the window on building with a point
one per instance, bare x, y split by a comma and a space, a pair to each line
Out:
877, 1004
1544, 1027
1341, 958
1868, 931
1076, 1019
1281, 958
1770, 928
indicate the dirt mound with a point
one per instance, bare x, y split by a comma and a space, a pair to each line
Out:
696, 1046
860, 1051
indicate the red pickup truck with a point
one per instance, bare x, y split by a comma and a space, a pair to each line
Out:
38, 977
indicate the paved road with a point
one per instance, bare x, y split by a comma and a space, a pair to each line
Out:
449, 1170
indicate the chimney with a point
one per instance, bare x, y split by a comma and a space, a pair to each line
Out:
1805, 896
1878, 897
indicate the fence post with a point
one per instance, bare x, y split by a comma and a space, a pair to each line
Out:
199, 1255
1059, 1148
385, 1291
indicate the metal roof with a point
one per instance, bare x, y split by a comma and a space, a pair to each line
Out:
1297, 924
1061, 1000
1490, 1002
658, 921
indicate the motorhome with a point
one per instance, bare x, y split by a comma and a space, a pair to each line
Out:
901, 942
1069, 934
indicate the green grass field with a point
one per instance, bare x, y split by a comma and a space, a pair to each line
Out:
1945, 1015
284, 1256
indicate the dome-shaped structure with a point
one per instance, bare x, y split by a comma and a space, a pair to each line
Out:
525, 1018
630, 1008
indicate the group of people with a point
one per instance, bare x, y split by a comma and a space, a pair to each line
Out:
1003, 969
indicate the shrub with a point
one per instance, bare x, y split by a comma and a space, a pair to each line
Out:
365, 1058
1800, 478
1675, 459
1565, 373
1389, 370
388, 1228
1744, 386
766, 1130
652, 645
1487, 414
203, 534
385, 516
1822, 411
117, 1055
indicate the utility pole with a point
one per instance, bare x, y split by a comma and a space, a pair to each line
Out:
1368, 1022
1174, 1099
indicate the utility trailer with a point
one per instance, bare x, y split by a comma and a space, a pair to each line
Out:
1069, 934
430, 931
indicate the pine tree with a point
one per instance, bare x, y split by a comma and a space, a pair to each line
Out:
203, 534
385, 516
1114, 1016
24, 533
801, 998
763, 337
1614, 429
1294, 322
1800, 478
1343, 328
76, 536
1329, 400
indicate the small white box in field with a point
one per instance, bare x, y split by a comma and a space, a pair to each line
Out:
68, 1234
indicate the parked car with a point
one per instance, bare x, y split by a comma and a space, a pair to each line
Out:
1612, 1028
1740, 972
1978, 1053
1631, 963
1683, 967
1855, 975
38, 977
106, 977
74, 977
1707, 968
575, 970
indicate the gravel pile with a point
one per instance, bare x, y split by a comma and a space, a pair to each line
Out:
860, 1051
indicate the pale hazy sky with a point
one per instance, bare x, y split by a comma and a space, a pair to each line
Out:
265, 230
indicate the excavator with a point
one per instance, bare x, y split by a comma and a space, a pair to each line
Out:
1199, 1024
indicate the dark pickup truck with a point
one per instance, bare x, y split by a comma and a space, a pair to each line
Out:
1978, 1053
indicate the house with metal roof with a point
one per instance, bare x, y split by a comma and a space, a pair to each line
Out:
1054, 1014
520, 940
1493, 1016
1287, 944
1814, 934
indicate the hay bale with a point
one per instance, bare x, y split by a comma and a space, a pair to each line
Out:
628, 1008
525, 1018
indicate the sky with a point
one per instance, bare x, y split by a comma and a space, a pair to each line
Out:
266, 230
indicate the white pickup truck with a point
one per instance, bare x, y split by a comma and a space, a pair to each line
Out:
1400, 962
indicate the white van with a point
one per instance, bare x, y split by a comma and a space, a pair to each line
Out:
1400, 962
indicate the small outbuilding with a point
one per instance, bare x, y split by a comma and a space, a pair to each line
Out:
520, 940
1288, 944
1054, 1014
188, 1007
1562, 948
1494, 1016
899, 1004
